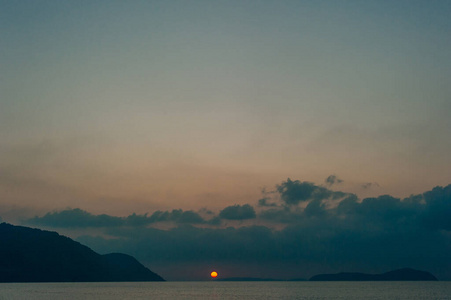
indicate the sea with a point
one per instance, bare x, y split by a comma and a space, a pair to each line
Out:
228, 290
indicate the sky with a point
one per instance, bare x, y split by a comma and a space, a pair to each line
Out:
128, 108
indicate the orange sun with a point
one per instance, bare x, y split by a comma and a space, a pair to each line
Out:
214, 274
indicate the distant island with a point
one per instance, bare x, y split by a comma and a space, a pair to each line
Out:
256, 279
405, 274
246, 279
34, 255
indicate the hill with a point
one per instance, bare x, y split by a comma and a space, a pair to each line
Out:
246, 279
257, 279
34, 255
405, 274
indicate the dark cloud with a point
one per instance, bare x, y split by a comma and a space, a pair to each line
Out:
325, 235
437, 214
315, 208
238, 212
215, 221
280, 215
78, 218
369, 185
206, 211
186, 217
328, 242
332, 179
75, 218
265, 202
294, 192
176, 215
347, 206
140, 220
339, 195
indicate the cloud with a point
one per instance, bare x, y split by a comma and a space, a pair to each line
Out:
295, 192
265, 202
75, 218
280, 215
78, 218
186, 217
369, 185
437, 214
238, 212
332, 179
370, 235
315, 208
320, 238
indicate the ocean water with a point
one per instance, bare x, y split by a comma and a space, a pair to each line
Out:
228, 290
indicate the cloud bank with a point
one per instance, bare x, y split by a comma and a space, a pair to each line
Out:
297, 230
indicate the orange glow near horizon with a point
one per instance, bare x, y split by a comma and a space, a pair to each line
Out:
214, 274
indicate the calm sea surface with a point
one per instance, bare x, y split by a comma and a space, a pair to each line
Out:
228, 290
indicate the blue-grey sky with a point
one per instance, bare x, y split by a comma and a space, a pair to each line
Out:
151, 126
140, 105
172, 102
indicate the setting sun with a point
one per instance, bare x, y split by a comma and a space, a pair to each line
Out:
214, 274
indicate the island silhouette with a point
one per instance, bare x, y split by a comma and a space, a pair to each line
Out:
34, 255
405, 274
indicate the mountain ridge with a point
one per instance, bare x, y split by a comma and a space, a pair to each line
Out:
35, 255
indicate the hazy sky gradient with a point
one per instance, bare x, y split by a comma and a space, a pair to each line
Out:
131, 106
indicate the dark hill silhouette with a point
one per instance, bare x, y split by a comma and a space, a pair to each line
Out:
257, 279
405, 274
246, 279
34, 255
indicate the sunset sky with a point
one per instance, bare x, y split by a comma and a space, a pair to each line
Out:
122, 107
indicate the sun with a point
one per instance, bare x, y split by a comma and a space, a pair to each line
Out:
214, 274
